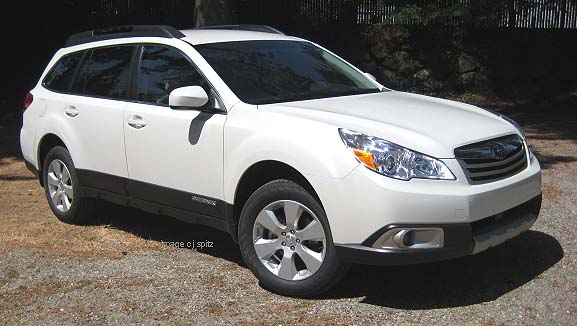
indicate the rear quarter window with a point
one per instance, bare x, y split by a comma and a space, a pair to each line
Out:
60, 76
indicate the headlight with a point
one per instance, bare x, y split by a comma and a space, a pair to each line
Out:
392, 160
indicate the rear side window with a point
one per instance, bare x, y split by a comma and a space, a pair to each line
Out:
162, 70
61, 75
105, 73
80, 80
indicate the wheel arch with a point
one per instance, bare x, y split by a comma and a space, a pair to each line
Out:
46, 143
259, 174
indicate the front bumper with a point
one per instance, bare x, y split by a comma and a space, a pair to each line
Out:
363, 202
461, 239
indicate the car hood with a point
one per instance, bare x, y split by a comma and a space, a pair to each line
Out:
429, 125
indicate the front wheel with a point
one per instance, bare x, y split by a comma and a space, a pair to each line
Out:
285, 240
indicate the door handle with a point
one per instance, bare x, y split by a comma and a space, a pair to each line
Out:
136, 122
71, 111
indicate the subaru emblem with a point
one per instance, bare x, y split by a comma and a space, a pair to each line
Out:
498, 151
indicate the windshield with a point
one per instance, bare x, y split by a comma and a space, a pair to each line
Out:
263, 72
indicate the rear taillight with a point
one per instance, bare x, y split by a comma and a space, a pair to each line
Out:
28, 100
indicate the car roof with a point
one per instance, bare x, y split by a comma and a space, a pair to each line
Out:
195, 36
205, 36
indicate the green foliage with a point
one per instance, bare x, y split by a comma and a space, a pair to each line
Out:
435, 12
428, 13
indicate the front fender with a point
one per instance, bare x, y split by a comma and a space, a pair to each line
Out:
311, 147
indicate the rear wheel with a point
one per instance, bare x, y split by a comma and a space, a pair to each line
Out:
62, 188
285, 240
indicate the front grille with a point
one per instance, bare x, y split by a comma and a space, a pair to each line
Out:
493, 159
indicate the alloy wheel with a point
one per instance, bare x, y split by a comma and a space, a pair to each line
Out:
60, 187
289, 240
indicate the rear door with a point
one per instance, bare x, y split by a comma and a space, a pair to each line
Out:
93, 115
175, 157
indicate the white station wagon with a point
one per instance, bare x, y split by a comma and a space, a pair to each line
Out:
308, 163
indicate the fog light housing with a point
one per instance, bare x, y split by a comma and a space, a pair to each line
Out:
411, 238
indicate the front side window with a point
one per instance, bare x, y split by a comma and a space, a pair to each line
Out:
262, 72
105, 72
60, 77
162, 70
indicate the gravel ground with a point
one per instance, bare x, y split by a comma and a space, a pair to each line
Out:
121, 271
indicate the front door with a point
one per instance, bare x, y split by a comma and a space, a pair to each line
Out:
174, 157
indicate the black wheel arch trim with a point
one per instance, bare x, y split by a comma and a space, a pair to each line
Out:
32, 169
39, 151
235, 209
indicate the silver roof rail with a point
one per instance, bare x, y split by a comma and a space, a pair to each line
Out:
252, 28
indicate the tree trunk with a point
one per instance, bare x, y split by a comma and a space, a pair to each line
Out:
215, 12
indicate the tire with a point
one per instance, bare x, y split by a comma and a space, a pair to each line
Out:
67, 205
286, 264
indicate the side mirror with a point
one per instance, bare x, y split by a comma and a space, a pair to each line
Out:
370, 76
187, 97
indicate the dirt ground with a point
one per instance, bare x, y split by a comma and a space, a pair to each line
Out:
121, 271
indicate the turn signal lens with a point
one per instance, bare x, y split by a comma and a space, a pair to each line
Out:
366, 158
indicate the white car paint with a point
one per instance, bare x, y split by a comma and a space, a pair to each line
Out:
161, 153
301, 134
428, 125
94, 133
366, 201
